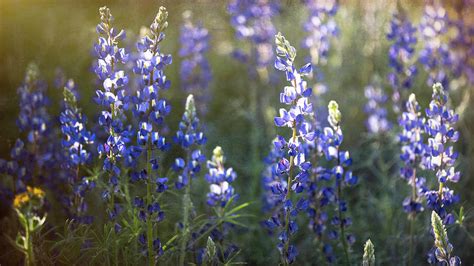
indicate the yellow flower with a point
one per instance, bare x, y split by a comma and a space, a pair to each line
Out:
20, 200
37, 192
23, 198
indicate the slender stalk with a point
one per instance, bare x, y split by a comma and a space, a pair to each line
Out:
149, 225
412, 242
186, 207
288, 195
30, 255
255, 133
341, 225
412, 220
341, 214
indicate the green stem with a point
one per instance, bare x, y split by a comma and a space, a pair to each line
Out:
412, 219
255, 131
30, 255
288, 195
186, 207
149, 225
341, 214
412, 242
343, 235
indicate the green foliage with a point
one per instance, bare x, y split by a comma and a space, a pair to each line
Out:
359, 53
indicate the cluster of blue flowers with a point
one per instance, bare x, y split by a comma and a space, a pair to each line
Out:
293, 166
435, 56
307, 169
442, 157
401, 57
320, 27
331, 140
220, 180
195, 70
189, 137
270, 178
150, 109
377, 122
462, 44
76, 141
252, 21
413, 153
113, 99
31, 159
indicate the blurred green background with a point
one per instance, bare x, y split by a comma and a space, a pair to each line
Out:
61, 34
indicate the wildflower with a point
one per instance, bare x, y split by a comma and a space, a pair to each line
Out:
220, 180
401, 57
252, 21
150, 108
413, 151
331, 139
34, 156
190, 138
377, 122
442, 157
435, 56
27, 205
271, 178
320, 27
461, 44
195, 71
112, 98
30, 196
75, 143
295, 169
220, 197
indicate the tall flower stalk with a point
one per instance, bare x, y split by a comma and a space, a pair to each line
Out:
442, 157
377, 122
401, 57
111, 98
252, 21
320, 27
413, 153
461, 45
331, 139
435, 55
195, 70
151, 108
221, 195
33, 120
189, 137
75, 143
292, 167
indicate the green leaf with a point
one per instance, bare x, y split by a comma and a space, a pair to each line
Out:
238, 208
